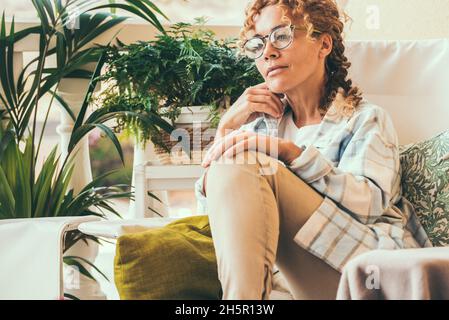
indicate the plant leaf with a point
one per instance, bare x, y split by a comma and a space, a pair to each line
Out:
89, 263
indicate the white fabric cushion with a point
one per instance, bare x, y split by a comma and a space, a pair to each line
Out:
116, 228
410, 79
31, 256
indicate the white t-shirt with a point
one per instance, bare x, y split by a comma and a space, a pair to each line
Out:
300, 136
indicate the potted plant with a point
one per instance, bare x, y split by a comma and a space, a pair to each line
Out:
186, 74
26, 192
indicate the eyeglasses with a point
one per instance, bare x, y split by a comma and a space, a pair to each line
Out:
280, 38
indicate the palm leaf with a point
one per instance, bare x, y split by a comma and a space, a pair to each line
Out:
43, 184
155, 8
7, 200
90, 90
60, 187
70, 296
61, 52
99, 30
10, 63
5, 140
71, 261
148, 12
63, 104
100, 179
40, 8
74, 258
5, 77
49, 10
80, 132
133, 10
23, 191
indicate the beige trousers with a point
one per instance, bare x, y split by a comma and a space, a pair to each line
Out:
256, 206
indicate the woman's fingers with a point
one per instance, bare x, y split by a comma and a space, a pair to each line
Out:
224, 144
264, 107
240, 147
227, 142
217, 143
270, 99
265, 93
258, 143
235, 144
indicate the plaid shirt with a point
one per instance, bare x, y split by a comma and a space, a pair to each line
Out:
353, 162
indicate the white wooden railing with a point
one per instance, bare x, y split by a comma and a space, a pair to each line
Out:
73, 90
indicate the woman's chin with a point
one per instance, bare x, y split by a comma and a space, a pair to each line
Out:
277, 86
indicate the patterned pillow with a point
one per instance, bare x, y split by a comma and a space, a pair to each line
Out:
425, 183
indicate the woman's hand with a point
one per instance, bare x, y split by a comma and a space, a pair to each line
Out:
239, 141
250, 105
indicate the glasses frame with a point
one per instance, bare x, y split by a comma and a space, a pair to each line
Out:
268, 36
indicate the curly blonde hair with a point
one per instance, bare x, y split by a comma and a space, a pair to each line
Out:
322, 16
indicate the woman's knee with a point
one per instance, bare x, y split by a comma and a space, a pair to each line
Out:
235, 171
232, 172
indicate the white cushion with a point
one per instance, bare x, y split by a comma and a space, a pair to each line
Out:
116, 228
410, 79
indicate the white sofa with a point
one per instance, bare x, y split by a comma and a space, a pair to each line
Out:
408, 78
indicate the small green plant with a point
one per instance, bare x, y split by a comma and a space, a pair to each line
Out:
185, 66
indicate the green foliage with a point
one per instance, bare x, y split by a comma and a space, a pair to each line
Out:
26, 191
49, 195
185, 66
103, 159
71, 47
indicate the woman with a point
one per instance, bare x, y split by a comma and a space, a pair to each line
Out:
333, 188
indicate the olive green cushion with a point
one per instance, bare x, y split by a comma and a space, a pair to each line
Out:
174, 262
425, 183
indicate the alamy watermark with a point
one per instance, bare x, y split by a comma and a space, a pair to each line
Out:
71, 277
372, 21
372, 281
248, 147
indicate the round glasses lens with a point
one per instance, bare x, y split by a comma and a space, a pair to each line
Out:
254, 47
281, 38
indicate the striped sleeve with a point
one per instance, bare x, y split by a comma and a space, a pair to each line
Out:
363, 180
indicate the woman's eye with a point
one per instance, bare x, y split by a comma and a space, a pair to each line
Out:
281, 37
254, 46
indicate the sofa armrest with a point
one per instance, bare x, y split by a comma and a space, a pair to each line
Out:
31, 256
116, 228
397, 274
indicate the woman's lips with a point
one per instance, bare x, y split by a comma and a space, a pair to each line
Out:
275, 71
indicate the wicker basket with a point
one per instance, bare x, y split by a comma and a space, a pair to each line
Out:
177, 155
193, 121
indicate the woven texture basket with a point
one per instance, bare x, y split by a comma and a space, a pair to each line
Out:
197, 142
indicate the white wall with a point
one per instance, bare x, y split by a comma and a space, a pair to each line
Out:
373, 19
398, 19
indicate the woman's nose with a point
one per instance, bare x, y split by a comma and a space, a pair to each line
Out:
270, 52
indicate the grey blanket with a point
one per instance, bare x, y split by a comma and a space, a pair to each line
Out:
408, 274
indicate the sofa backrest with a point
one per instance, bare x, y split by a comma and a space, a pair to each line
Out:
410, 79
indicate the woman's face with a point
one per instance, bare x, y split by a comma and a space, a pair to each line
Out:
300, 62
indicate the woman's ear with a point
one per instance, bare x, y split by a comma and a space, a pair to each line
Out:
326, 45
